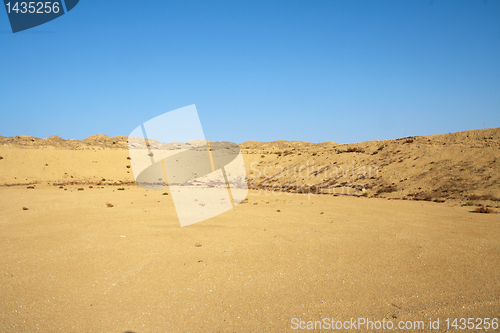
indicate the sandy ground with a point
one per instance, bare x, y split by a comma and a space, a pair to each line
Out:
70, 263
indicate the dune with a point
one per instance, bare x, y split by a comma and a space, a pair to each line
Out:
381, 230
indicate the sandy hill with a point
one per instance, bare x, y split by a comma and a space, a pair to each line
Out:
457, 167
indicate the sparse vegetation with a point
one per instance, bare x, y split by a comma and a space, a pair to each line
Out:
109, 204
483, 210
387, 189
80, 189
483, 197
351, 150
469, 203
31, 187
121, 189
198, 245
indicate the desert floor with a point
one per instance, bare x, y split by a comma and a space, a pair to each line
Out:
70, 263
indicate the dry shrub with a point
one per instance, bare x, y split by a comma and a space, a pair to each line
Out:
483, 197
351, 150
483, 210
388, 189
109, 204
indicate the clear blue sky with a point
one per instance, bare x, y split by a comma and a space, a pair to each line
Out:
343, 71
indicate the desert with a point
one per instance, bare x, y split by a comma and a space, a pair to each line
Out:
404, 230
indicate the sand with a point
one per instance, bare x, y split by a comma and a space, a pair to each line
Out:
70, 263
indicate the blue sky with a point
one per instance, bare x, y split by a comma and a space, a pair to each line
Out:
343, 71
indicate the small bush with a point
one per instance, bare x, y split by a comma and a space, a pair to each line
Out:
483, 210
80, 189
165, 193
388, 189
197, 245
25, 208
109, 204
121, 189
469, 203
103, 180
351, 150
31, 187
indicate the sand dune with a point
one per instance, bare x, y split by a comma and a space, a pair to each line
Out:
80, 255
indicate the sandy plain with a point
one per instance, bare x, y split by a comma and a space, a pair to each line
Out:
70, 263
